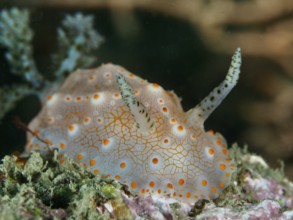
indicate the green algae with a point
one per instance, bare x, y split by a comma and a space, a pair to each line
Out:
43, 188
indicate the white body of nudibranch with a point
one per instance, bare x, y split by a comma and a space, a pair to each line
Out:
121, 126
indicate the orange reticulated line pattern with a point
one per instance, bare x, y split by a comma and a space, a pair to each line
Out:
100, 132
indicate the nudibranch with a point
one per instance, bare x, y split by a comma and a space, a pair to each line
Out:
118, 125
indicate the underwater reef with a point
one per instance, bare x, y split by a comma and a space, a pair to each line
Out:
43, 188
49, 187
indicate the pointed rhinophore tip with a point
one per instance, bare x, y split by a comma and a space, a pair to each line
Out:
203, 110
234, 70
142, 118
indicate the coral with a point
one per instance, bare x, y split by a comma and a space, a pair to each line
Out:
77, 42
16, 36
41, 187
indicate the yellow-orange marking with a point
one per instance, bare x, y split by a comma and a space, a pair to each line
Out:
133, 184
155, 160
62, 145
122, 165
152, 184
92, 162
222, 166
79, 156
181, 182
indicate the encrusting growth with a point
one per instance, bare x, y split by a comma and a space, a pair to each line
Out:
118, 125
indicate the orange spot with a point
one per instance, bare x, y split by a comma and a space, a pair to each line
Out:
116, 95
99, 120
180, 128
214, 189
131, 75
142, 191
204, 182
147, 190
50, 120
78, 98
211, 151
36, 132
91, 78
159, 191
79, 156
47, 140
161, 101
96, 96
222, 166
68, 99
155, 160
227, 174
221, 184
181, 182
225, 151
188, 194
135, 92
86, 120
106, 141
173, 120
219, 143
174, 193
155, 85
92, 162
170, 186
193, 136
49, 97
133, 184
62, 160
166, 141
117, 177
122, 165
62, 146
165, 109
96, 171
152, 184
71, 127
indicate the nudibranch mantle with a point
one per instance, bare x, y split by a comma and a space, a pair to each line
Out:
119, 125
